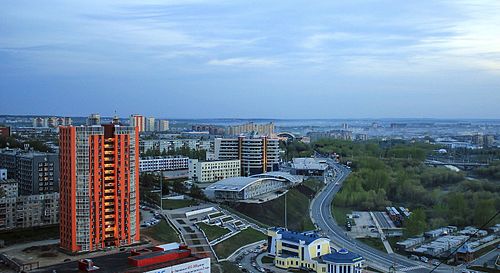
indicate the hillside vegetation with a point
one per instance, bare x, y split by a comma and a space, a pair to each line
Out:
393, 174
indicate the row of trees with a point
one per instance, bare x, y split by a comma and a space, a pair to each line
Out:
11, 142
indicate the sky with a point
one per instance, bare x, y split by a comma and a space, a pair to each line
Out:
251, 59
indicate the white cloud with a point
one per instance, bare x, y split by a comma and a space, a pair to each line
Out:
245, 62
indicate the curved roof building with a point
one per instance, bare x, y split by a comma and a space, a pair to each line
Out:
245, 188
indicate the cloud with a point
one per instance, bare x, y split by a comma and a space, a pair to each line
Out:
244, 62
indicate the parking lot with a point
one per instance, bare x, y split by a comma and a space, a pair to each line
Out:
364, 225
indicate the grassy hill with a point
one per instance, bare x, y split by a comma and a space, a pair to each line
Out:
272, 213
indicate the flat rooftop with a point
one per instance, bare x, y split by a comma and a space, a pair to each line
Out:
113, 263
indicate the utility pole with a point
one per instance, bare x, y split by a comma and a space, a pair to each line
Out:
161, 191
286, 224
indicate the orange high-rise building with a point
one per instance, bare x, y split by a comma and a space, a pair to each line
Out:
99, 186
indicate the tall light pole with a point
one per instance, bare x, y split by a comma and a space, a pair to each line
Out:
161, 191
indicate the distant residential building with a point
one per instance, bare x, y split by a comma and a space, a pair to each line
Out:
210, 171
150, 124
478, 139
211, 129
362, 137
335, 134
94, 119
398, 125
138, 121
307, 250
257, 154
3, 174
4, 131
488, 141
242, 189
99, 187
51, 122
163, 163
162, 125
39, 122
36, 172
9, 188
29, 211
261, 129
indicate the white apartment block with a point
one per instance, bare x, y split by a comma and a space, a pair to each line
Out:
150, 124
163, 163
162, 125
173, 144
29, 211
210, 171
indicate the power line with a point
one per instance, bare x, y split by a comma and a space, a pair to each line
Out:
470, 237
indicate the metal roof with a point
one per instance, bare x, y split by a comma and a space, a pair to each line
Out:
309, 163
240, 182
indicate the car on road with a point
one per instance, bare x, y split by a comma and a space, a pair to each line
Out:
424, 259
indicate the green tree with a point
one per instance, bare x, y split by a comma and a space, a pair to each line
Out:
416, 223
484, 210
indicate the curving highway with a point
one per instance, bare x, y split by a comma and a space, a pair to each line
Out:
321, 215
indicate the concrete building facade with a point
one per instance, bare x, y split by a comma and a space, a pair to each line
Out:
29, 211
99, 187
36, 172
163, 163
210, 171
162, 125
150, 124
3, 174
257, 154
261, 129
9, 188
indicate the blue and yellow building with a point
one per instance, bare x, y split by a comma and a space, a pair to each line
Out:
307, 250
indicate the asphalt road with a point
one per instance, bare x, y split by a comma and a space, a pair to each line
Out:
321, 214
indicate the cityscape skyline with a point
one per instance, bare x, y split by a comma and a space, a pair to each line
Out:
431, 59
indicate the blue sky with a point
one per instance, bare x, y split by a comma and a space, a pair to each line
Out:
251, 59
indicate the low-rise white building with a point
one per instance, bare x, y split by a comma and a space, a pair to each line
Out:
163, 163
210, 171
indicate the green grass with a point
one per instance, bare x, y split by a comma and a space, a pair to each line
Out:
267, 260
228, 267
245, 237
175, 204
313, 184
161, 232
17, 236
339, 214
244, 216
373, 242
217, 214
213, 232
271, 213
